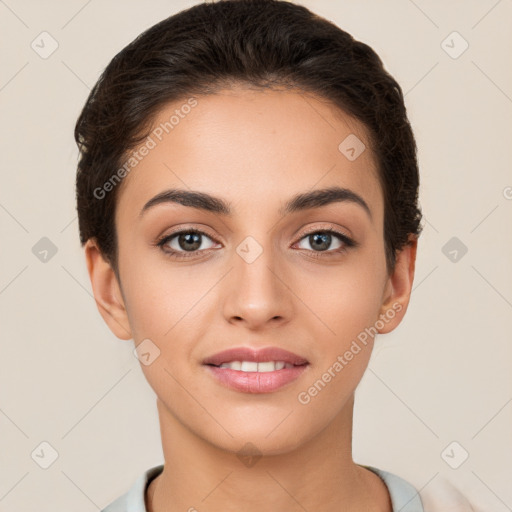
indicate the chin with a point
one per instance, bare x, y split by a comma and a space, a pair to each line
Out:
258, 441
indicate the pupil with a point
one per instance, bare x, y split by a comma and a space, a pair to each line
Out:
321, 240
189, 238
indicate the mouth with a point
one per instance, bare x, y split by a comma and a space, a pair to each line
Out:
249, 359
255, 371
253, 366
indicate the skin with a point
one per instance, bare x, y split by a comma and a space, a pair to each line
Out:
255, 149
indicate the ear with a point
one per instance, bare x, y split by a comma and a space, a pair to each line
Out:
107, 291
398, 287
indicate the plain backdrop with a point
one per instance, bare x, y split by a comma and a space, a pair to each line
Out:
438, 388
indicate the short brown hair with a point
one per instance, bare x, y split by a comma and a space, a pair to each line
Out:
261, 43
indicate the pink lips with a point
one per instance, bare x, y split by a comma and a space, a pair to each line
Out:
255, 382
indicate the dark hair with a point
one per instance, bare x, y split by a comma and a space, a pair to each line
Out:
259, 43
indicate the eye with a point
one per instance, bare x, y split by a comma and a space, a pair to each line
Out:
322, 241
185, 243
189, 243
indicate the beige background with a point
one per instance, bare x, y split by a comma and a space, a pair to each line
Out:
444, 375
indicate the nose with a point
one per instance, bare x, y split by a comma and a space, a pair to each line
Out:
257, 294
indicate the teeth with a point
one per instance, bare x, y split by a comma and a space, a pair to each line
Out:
249, 366
252, 366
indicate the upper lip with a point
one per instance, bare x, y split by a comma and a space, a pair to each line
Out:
257, 355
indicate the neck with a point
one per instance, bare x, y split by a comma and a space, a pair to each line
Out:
318, 475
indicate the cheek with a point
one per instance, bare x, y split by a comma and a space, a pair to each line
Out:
159, 299
342, 300
165, 306
346, 305
342, 344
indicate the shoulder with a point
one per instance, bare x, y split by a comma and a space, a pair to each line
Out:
133, 499
439, 495
404, 496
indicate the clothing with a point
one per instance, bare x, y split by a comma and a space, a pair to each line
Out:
404, 497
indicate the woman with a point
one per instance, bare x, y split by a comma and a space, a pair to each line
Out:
247, 197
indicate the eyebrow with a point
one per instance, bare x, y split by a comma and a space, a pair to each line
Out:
203, 201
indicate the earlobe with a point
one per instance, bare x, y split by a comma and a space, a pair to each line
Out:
397, 292
107, 292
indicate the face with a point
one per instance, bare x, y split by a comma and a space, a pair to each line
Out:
254, 268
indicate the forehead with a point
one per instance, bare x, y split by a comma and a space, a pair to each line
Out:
254, 148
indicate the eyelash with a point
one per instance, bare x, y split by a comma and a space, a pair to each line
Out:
347, 243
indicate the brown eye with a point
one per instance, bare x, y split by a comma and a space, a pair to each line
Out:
322, 240
182, 242
189, 241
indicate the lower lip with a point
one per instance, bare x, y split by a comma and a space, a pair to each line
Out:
256, 382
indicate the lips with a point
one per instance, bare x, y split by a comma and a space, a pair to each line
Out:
255, 355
